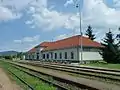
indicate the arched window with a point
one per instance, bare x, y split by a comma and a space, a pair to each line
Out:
55, 55
37, 56
72, 55
47, 56
32, 56
65, 55
60, 55
43, 56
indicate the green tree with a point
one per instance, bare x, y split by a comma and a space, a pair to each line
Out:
118, 36
89, 33
8, 57
110, 52
19, 55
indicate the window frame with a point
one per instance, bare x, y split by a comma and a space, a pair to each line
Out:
66, 55
55, 55
60, 55
72, 55
47, 55
44, 56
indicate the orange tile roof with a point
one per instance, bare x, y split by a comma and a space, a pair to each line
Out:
45, 44
32, 50
72, 42
69, 42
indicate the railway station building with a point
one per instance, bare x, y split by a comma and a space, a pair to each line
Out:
67, 49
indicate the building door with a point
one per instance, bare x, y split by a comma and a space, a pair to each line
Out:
37, 56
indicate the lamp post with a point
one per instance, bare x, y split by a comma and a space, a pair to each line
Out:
80, 30
21, 54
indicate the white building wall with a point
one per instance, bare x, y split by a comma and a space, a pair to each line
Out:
90, 54
32, 56
35, 55
74, 50
40, 56
39, 49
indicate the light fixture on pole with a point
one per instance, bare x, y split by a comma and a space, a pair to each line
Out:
80, 29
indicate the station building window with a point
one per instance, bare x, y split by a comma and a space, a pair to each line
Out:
86, 49
43, 56
60, 56
37, 55
72, 55
65, 55
47, 56
55, 55
32, 56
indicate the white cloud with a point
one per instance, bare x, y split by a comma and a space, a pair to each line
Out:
43, 16
72, 22
62, 36
18, 46
32, 26
16, 4
99, 15
68, 2
28, 22
31, 39
7, 14
31, 10
28, 39
12, 9
23, 44
52, 19
94, 12
17, 41
39, 13
116, 3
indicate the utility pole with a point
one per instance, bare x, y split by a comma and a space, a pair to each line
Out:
80, 30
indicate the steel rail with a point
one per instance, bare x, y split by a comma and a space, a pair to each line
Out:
24, 82
39, 77
62, 79
78, 71
85, 67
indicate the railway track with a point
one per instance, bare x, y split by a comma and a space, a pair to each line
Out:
61, 83
22, 80
69, 65
68, 82
113, 75
35, 74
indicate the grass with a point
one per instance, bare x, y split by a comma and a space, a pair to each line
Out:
105, 65
33, 81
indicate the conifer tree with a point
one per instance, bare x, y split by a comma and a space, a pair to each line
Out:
89, 33
110, 52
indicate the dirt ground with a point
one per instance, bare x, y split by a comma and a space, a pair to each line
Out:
6, 83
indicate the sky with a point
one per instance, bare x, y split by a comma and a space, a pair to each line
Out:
26, 23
